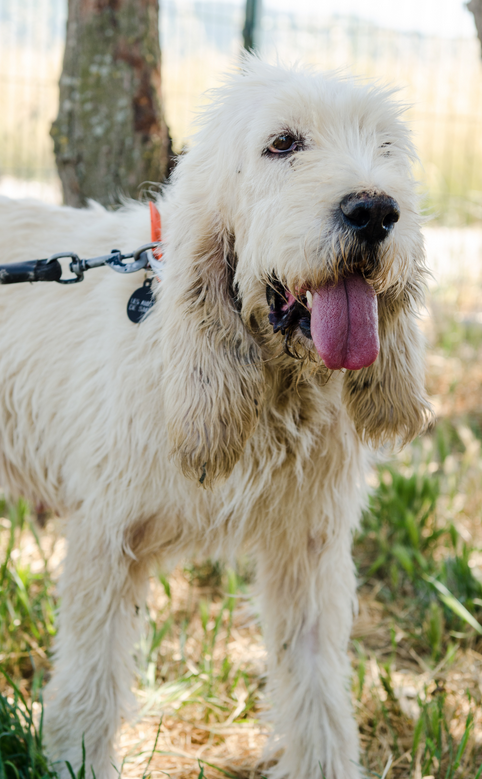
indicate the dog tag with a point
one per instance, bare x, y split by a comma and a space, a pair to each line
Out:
140, 302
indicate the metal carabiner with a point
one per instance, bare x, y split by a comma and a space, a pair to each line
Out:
75, 266
140, 256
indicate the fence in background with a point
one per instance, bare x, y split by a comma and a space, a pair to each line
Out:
441, 76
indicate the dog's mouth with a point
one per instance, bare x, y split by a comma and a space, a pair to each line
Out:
341, 319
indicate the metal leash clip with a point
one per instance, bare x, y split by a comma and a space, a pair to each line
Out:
114, 260
75, 261
51, 269
141, 259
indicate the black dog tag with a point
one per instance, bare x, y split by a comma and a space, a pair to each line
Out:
140, 302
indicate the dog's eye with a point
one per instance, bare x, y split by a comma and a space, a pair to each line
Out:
284, 144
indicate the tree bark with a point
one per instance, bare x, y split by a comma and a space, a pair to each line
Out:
475, 6
110, 135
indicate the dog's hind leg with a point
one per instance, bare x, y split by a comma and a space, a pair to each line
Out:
307, 593
102, 588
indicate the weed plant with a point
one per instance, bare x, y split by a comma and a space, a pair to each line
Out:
418, 555
27, 605
21, 745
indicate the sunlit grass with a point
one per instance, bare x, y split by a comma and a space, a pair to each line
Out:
27, 605
21, 739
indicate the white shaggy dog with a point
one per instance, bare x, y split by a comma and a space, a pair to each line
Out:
238, 414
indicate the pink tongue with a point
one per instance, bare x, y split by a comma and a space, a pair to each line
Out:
344, 323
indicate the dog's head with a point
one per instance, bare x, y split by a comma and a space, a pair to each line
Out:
291, 224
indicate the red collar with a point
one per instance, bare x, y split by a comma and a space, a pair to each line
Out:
155, 229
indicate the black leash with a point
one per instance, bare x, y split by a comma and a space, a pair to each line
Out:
140, 302
51, 269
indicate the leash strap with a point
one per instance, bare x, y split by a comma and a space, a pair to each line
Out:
50, 269
33, 270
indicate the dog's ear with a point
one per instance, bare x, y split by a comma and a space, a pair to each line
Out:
387, 400
213, 372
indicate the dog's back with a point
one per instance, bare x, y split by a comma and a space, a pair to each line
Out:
64, 349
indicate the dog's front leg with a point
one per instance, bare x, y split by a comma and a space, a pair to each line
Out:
307, 592
101, 591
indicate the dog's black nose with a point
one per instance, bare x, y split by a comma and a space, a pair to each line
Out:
370, 215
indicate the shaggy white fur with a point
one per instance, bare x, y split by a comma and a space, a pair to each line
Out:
115, 425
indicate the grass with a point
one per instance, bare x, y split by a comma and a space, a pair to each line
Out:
416, 646
418, 553
21, 745
412, 555
27, 604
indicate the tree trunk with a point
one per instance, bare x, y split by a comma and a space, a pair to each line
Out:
110, 135
475, 6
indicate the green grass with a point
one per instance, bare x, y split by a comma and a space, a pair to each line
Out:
22, 754
26, 629
408, 541
27, 603
171, 671
420, 557
21, 743
432, 748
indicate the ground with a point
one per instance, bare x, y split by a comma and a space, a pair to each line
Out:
416, 645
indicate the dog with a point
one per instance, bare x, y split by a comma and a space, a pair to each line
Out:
244, 409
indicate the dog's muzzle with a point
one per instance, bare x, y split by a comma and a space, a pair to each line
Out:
341, 316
